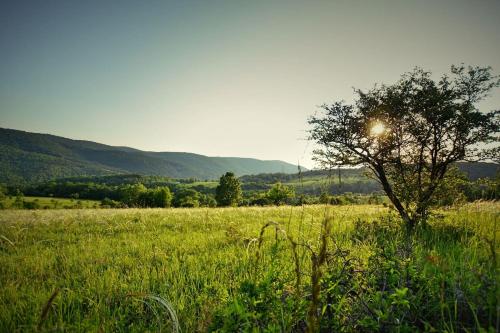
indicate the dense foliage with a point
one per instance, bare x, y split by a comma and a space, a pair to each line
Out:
280, 194
228, 192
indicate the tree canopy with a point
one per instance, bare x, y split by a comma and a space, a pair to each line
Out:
228, 192
279, 194
411, 132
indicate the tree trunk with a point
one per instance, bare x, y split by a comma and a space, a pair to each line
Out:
409, 222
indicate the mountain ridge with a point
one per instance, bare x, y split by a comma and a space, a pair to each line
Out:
33, 157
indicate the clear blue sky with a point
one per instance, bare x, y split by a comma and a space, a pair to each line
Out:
221, 78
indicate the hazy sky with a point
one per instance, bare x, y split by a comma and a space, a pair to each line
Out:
220, 78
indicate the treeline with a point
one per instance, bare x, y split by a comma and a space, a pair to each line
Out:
316, 188
482, 189
122, 191
119, 179
174, 195
271, 178
123, 196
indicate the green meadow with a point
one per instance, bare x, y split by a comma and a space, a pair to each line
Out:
29, 202
273, 269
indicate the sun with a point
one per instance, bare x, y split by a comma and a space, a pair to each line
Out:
377, 129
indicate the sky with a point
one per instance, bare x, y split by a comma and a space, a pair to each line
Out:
221, 78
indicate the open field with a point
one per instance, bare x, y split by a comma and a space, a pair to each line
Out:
208, 269
51, 203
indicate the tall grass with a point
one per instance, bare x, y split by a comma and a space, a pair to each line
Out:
216, 269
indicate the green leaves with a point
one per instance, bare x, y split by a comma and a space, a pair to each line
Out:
280, 194
428, 125
228, 193
398, 298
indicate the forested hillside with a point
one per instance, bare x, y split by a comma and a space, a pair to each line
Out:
32, 157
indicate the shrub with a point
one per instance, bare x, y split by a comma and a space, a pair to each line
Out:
280, 194
30, 205
186, 198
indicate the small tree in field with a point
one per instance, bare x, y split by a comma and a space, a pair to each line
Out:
228, 192
279, 194
411, 132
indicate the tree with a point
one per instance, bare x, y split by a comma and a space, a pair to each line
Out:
280, 194
228, 192
157, 197
130, 194
162, 197
324, 198
207, 200
411, 132
186, 197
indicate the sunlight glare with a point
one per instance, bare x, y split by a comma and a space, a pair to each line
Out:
377, 129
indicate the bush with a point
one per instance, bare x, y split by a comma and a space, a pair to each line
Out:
186, 198
207, 200
108, 203
259, 199
280, 194
31, 205
400, 286
157, 197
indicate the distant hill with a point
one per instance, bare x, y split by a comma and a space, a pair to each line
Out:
473, 171
31, 157
353, 180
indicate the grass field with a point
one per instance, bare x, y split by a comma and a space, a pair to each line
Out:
209, 269
53, 203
